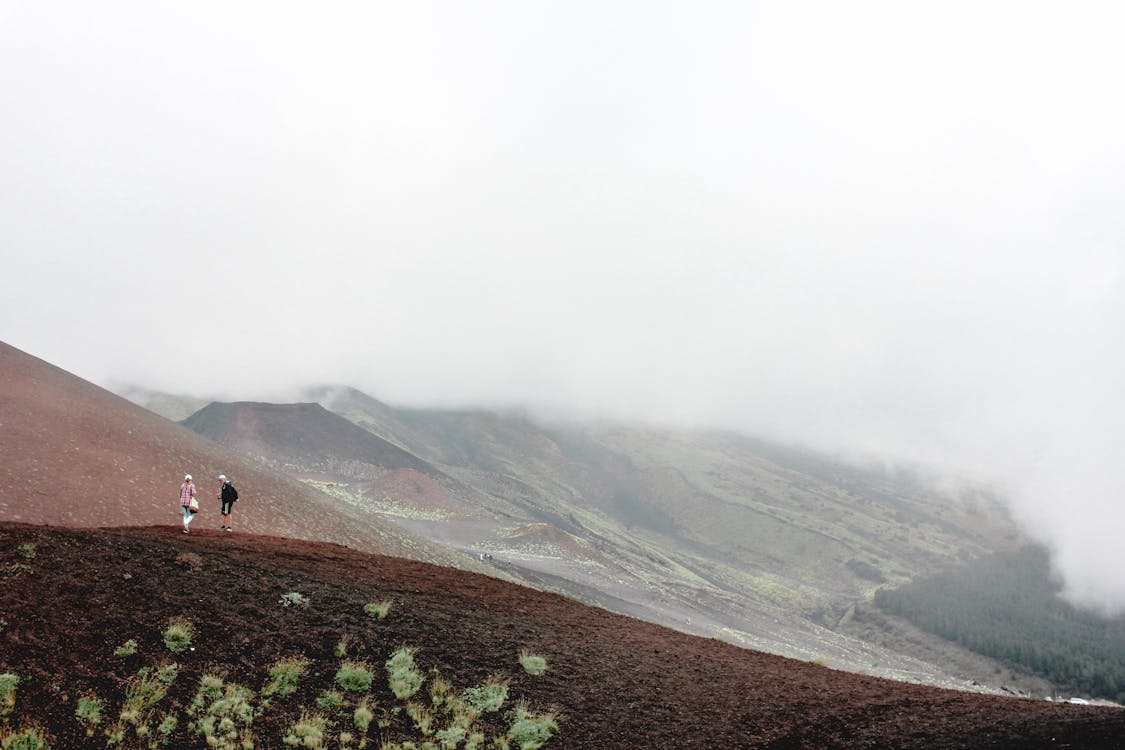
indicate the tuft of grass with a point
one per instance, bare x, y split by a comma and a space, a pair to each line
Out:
88, 711
403, 678
284, 675
341, 649
128, 648
354, 676
167, 726
294, 599
147, 688
378, 611
309, 732
28, 551
488, 697
8, 683
820, 661
29, 738
533, 664
229, 711
422, 717
330, 700
530, 731
363, 716
178, 634
440, 690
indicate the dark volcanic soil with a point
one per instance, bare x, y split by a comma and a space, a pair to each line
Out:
617, 682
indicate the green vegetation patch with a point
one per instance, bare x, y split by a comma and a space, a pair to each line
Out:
354, 676
486, 698
530, 731
403, 678
8, 684
533, 664
88, 712
128, 648
309, 732
28, 551
30, 738
178, 634
284, 675
225, 711
1008, 607
330, 700
378, 611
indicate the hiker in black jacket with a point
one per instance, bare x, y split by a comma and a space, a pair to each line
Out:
227, 495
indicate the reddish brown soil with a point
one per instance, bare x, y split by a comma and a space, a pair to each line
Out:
617, 682
74, 454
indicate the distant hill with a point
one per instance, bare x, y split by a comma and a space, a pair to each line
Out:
74, 454
303, 438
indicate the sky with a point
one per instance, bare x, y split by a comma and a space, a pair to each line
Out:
878, 228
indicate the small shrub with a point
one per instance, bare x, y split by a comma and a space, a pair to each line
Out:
530, 731
533, 664
354, 676
167, 726
294, 599
330, 700
177, 636
378, 611
88, 711
145, 689
488, 697
28, 551
403, 678
3, 624
440, 690
30, 738
363, 716
341, 649
309, 731
128, 648
284, 675
226, 723
8, 683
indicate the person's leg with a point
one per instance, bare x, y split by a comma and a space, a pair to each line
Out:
187, 517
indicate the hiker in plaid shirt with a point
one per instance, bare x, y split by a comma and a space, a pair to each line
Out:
187, 492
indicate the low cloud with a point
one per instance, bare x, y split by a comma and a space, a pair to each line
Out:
877, 229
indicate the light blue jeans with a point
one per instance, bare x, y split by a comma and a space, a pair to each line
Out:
188, 515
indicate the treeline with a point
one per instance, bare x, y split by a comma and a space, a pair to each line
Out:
1008, 607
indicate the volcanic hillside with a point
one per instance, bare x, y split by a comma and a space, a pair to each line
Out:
304, 438
74, 454
610, 682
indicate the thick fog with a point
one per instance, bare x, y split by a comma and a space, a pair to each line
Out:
892, 229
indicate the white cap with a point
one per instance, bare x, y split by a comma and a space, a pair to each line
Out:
187, 477
222, 476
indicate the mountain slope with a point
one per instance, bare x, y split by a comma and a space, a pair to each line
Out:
710, 532
74, 454
303, 438
615, 682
